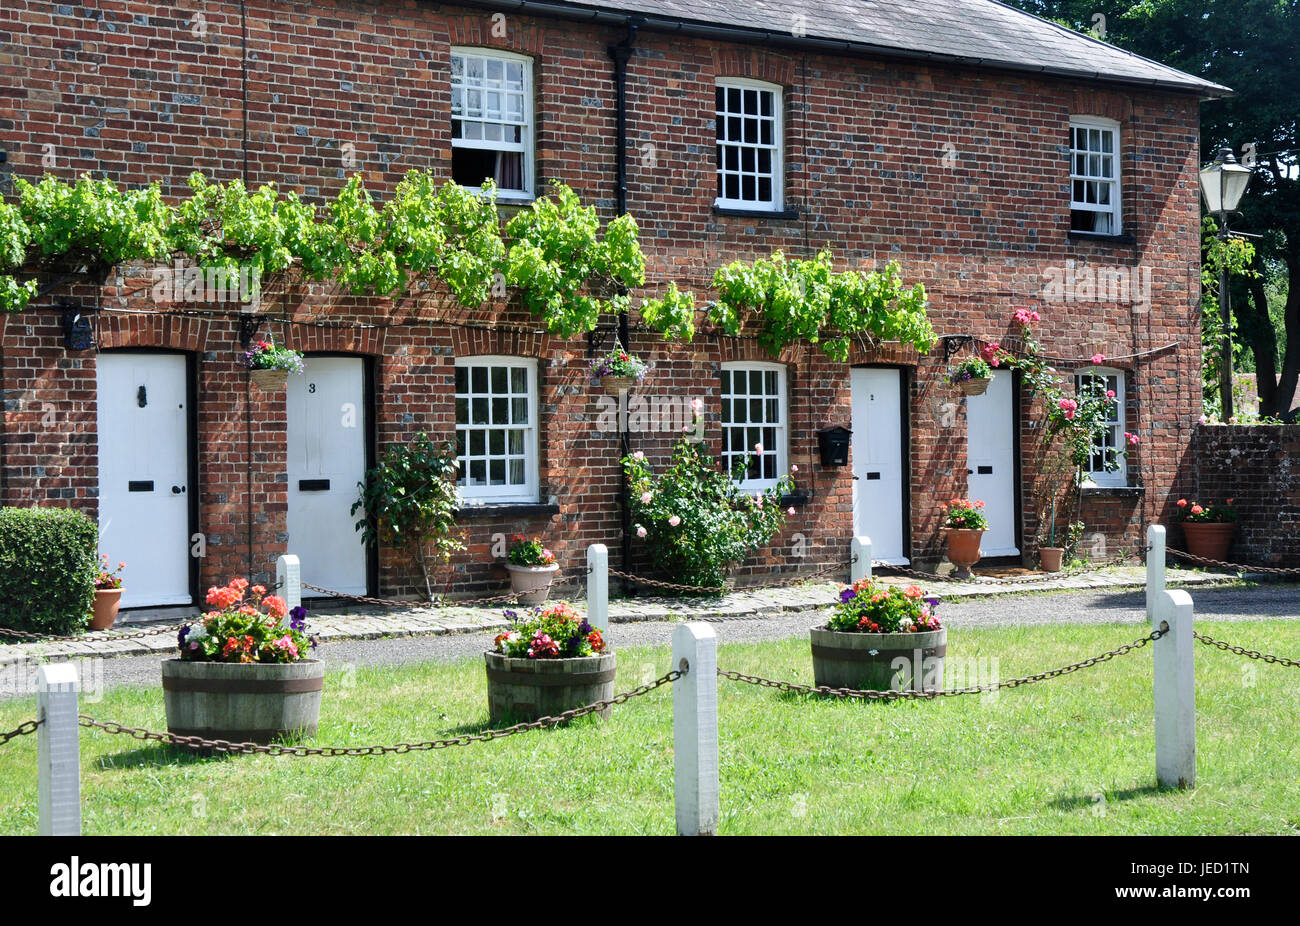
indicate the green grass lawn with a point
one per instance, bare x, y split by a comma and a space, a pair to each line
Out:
1075, 755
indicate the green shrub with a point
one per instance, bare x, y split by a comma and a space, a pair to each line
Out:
695, 519
48, 565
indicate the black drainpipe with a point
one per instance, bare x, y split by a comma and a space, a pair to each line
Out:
621, 53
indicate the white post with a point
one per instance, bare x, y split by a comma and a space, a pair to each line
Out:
1155, 567
1175, 691
598, 586
860, 565
288, 580
695, 729
58, 750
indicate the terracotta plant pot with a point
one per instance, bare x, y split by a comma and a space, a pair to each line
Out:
1050, 558
531, 583
1209, 540
269, 380
526, 689
975, 386
879, 661
242, 702
963, 549
107, 601
614, 385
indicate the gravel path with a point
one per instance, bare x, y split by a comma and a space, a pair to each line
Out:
1219, 604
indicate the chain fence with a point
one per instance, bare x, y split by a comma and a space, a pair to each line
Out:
929, 694
23, 729
94, 636
277, 749
443, 602
1242, 651
781, 582
1239, 567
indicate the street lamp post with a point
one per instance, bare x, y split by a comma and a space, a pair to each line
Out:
1223, 183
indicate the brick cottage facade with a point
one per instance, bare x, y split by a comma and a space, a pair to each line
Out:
939, 135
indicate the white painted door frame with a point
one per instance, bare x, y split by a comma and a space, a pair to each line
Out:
992, 462
147, 472
881, 471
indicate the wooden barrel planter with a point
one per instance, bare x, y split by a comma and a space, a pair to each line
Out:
868, 661
257, 702
526, 689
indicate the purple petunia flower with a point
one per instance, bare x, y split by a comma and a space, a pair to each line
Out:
846, 595
932, 601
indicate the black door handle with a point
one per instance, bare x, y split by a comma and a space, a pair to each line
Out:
177, 490
970, 472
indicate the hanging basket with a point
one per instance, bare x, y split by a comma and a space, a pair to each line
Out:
975, 386
269, 380
615, 385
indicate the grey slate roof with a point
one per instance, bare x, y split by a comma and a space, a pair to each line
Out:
972, 32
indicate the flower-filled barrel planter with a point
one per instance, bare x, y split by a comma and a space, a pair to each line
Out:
241, 675
532, 568
881, 638
550, 661
1208, 528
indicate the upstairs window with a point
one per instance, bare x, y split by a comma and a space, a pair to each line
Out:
749, 145
492, 120
1105, 451
1094, 176
753, 412
496, 428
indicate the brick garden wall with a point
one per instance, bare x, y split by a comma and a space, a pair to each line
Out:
1258, 467
142, 95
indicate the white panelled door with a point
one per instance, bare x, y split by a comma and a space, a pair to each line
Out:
991, 462
144, 445
327, 458
878, 490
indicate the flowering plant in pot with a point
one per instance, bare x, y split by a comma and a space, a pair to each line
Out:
269, 366
108, 594
1209, 528
964, 524
880, 637
972, 375
244, 670
618, 371
549, 661
532, 569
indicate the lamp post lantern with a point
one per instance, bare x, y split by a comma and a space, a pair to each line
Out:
1223, 183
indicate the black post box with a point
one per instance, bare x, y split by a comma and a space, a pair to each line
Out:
834, 445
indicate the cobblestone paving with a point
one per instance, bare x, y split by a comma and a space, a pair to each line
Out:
370, 623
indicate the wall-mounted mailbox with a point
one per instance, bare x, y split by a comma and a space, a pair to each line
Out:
834, 445
77, 331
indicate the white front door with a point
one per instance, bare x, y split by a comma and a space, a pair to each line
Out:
327, 458
144, 440
991, 462
878, 490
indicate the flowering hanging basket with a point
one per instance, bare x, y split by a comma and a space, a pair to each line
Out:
975, 386
269, 380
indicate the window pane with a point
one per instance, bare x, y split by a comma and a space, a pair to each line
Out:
516, 472
462, 379
516, 442
477, 473
500, 411
479, 379
497, 472
496, 442
518, 379
480, 411
476, 443
755, 382
519, 411
462, 411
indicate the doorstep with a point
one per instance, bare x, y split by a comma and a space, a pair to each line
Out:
372, 623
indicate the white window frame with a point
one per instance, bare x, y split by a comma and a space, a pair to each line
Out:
780, 449
1117, 478
529, 118
777, 147
479, 495
1115, 209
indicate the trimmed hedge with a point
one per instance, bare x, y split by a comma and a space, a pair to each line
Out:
48, 564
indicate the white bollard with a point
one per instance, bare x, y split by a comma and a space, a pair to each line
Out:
598, 586
860, 561
695, 729
288, 581
1155, 567
58, 750
1175, 691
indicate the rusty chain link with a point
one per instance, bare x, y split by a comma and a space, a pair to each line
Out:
21, 730
1206, 561
797, 579
930, 694
275, 749
1242, 651
974, 579
440, 602
89, 637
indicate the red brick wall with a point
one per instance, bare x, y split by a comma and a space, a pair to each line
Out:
1258, 467
137, 94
